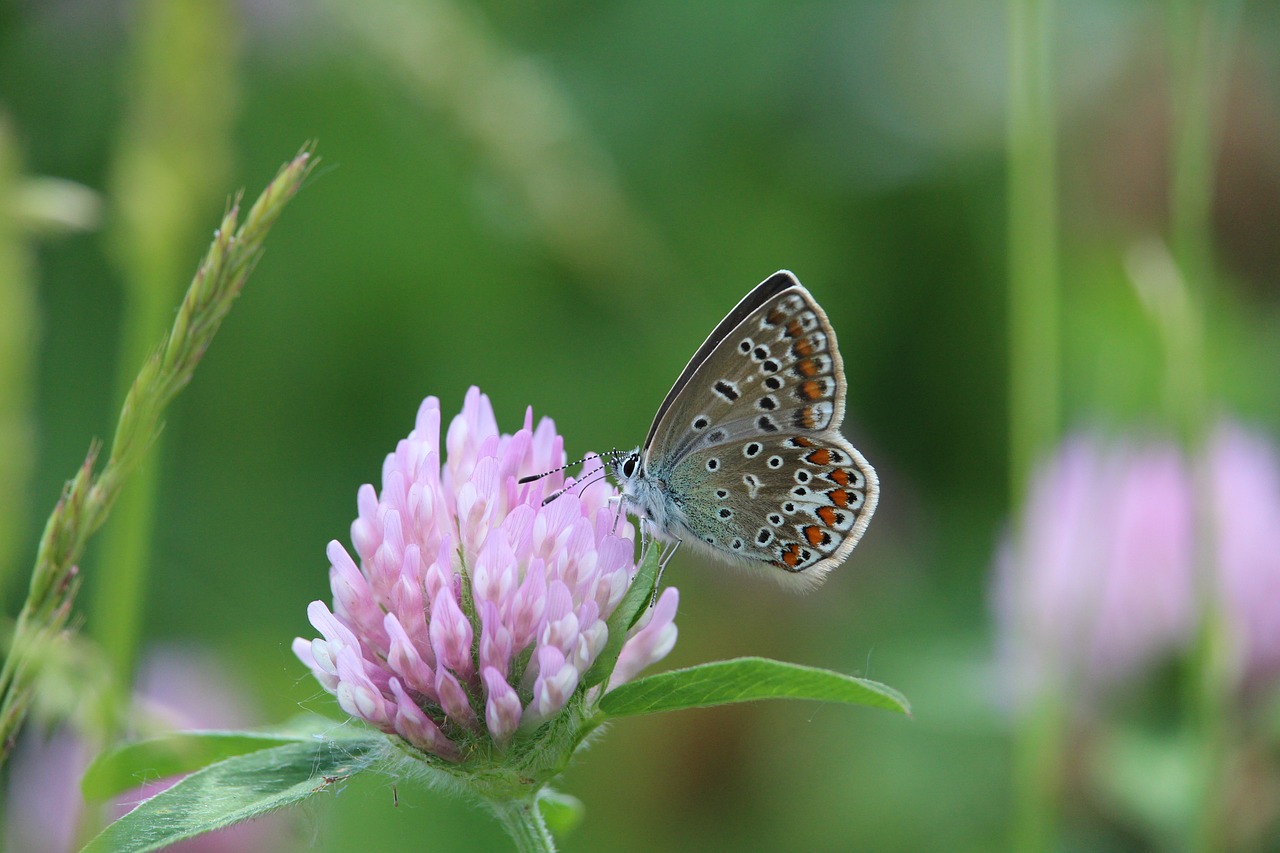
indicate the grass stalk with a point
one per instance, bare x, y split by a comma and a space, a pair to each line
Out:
18, 324
88, 497
1033, 365
170, 165
1199, 35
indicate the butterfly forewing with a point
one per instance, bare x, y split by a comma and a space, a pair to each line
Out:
776, 370
759, 295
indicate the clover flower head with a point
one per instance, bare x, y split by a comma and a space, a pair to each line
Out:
470, 610
1096, 581
1099, 579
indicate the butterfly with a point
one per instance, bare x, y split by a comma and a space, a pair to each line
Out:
745, 460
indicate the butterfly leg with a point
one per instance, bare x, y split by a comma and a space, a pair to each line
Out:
616, 502
662, 567
645, 539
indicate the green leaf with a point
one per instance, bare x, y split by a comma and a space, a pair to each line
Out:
744, 680
624, 616
562, 812
127, 767
237, 789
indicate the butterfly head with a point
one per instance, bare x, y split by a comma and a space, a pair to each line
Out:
636, 488
625, 467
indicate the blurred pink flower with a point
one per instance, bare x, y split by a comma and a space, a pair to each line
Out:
474, 608
1098, 581
1245, 478
177, 689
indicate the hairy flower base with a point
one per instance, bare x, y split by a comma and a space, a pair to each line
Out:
492, 774
475, 613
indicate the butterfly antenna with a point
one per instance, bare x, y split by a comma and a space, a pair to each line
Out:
584, 483
532, 478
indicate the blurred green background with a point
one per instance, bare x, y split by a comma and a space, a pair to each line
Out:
557, 202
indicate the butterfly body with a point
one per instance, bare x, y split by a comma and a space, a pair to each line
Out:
745, 459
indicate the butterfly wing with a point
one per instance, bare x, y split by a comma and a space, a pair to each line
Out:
760, 296
791, 501
767, 387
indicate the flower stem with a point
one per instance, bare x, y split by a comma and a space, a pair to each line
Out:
523, 821
171, 164
1033, 367
1033, 244
18, 321
1199, 43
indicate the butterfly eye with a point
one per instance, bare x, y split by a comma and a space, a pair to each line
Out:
629, 467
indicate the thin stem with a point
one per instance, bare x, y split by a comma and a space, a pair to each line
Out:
169, 167
1199, 38
18, 321
1033, 244
523, 821
1033, 365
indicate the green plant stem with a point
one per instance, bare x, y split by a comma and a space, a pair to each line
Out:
18, 323
1193, 77
1038, 749
169, 168
1033, 245
1199, 38
1033, 365
523, 821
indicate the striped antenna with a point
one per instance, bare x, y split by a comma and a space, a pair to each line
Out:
535, 477
582, 482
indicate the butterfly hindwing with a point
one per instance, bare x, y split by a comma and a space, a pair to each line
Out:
792, 501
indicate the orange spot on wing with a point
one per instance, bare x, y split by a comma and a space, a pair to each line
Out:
794, 329
791, 555
812, 389
840, 476
821, 456
775, 316
802, 348
828, 515
839, 497
807, 367
814, 534
801, 441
